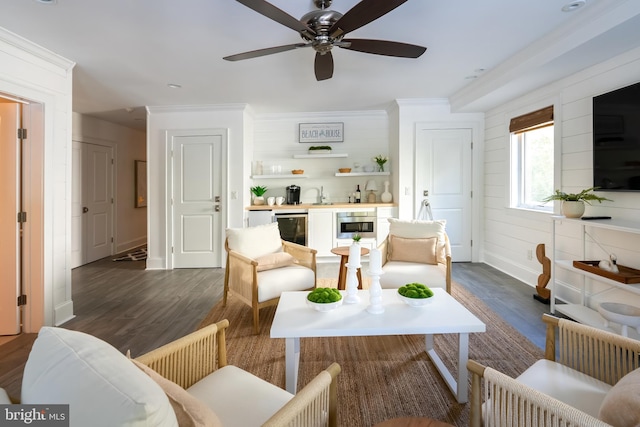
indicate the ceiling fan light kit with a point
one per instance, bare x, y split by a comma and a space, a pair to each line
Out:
324, 29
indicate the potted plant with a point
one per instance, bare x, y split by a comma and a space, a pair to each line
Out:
258, 193
319, 149
356, 238
573, 203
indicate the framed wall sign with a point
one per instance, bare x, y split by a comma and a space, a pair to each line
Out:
321, 132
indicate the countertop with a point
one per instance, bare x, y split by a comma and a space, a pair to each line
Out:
312, 206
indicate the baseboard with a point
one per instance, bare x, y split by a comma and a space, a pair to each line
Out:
63, 313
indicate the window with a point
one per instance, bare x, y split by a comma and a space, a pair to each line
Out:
532, 160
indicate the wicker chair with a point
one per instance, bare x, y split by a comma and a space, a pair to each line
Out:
587, 356
189, 359
400, 270
259, 289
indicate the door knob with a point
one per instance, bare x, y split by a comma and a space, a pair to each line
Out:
85, 209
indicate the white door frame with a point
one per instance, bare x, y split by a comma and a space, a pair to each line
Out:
224, 162
477, 181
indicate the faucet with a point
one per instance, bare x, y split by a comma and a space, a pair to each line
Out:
323, 198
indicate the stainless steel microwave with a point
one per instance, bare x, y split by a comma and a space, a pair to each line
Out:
351, 223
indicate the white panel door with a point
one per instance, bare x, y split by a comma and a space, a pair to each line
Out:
196, 200
9, 226
443, 168
92, 203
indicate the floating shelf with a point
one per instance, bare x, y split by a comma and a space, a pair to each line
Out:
281, 176
364, 174
319, 156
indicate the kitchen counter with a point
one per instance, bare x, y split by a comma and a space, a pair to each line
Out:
312, 206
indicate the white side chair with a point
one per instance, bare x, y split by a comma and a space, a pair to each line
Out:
260, 266
416, 251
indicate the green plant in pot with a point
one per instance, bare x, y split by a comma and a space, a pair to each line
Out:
258, 193
356, 238
573, 203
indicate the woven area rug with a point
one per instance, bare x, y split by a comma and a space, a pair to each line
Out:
137, 255
382, 377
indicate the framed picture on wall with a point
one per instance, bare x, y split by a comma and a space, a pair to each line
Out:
321, 132
141, 183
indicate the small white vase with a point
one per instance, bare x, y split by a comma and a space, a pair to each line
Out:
386, 196
258, 200
572, 209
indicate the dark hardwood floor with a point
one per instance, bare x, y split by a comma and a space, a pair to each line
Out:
138, 310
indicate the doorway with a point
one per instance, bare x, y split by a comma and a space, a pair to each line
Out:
443, 178
92, 218
21, 214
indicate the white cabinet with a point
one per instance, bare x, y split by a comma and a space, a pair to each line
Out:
365, 243
591, 297
322, 230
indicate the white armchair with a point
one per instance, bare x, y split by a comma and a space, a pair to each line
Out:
260, 266
595, 381
416, 251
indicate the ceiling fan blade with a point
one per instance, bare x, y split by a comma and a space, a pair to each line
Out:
324, 66
383, 47
361, 14
278, 15
264, 52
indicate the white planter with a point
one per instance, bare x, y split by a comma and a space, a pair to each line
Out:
572, 209
258, 200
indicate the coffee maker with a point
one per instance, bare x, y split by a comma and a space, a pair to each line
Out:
293, 195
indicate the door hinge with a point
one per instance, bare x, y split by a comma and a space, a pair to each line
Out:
472, 243
22, 133
22, 300
112, 240
22, 217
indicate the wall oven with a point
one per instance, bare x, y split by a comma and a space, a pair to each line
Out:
360, 222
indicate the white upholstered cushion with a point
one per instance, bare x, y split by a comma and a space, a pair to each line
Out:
4, 397
419, 229
567, 385
272, 283
254, 242
101, 386
238, 397
621, 406
399, 273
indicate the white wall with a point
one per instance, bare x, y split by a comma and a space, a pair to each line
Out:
130, 145
30, 72
366, 134
510, 233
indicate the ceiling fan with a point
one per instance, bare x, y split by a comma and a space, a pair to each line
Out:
324, 29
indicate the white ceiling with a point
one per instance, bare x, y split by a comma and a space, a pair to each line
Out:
127, 51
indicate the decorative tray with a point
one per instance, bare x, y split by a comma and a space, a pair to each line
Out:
626, 275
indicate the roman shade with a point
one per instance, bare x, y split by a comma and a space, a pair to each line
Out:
530, 121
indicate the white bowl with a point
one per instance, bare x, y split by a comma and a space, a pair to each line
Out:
323, 307
415, 302
620, 313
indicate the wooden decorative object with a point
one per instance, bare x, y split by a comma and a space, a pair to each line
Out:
626, 275
543, 280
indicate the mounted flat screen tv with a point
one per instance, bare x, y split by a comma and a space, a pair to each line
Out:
616, 140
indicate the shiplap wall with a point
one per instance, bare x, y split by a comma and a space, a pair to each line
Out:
510, 233
366, 134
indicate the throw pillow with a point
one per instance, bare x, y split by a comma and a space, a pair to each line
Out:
254, 242
621, 405
190, 412
277, 260
422, 251
100, 385
418, 229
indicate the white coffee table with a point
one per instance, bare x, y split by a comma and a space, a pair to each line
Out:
294, 319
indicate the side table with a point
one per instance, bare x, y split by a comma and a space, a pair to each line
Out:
343, 251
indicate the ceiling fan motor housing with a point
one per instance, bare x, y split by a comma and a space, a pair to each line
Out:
320, 21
